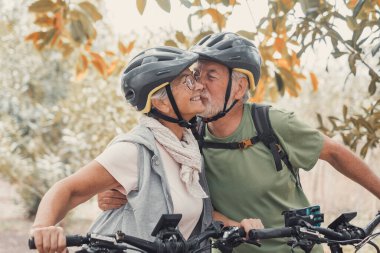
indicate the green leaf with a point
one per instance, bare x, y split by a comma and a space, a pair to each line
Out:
91, 10
47, 37
356, 36
345, 110
77, 31
333, 120
345, 138
319, 117
338, 15
375, 49
362, 41
180, 37
186, 3
141, 6
171, 43
338, 54
334, 43
88, 28
226, 2
164, 4
358, 7
351, 62
248, 35
334, 34
42, 6
189, 22
262, 21
351, 23
372, 87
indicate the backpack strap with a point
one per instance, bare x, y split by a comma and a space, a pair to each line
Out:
266, 134
201, 131
260, 115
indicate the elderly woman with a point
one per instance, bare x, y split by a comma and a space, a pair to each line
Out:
157, 165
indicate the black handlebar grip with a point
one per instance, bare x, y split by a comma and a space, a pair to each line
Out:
269, 233
31, 243
71, 241
242, 233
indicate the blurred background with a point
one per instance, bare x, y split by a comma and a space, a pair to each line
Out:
60, 100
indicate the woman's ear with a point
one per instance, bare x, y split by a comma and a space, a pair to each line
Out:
161, 104
241, 88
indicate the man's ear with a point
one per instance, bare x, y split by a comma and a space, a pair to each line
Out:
161, 104
241, 88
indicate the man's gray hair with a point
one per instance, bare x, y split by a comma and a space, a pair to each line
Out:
236, 76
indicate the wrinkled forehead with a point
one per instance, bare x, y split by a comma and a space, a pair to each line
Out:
204, 65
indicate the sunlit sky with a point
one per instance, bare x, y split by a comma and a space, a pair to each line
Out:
124, 16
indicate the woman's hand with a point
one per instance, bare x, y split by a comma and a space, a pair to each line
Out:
49, 239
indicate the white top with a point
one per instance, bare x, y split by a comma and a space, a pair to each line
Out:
120, 160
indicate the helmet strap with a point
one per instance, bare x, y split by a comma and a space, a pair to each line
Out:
180, 121
228, 90
226, 98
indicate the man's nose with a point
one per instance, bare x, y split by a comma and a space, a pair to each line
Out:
199, 85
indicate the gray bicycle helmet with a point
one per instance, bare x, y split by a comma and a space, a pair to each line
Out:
233, 51
151, 70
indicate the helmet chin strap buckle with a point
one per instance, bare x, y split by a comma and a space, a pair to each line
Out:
184, 123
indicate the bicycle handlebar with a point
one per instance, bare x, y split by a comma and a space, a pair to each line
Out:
71, 241
228, 237
269, 233
158, 246
372, 225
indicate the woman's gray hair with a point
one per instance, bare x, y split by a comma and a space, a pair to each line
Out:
236, 76
160, 94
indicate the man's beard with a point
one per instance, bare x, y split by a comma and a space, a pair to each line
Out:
211, 109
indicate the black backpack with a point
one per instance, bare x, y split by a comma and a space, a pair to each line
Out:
265, 134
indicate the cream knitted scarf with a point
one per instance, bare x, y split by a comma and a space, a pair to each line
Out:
185, 152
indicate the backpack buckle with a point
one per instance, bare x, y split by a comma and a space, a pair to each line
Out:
245, 144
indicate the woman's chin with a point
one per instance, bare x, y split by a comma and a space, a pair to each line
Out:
200, 109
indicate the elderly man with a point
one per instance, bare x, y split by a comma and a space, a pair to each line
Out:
248, 175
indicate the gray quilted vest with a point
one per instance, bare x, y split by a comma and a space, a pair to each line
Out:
152, 198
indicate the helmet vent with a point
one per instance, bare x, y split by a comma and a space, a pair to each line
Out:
149, 59
130, 95
235, 58
215, 40
165, 71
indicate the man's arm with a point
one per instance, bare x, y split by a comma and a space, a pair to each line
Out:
111, 199
350, 165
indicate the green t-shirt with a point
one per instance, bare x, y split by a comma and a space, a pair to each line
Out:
245, 183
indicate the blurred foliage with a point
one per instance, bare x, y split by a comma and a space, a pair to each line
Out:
55, 117
51, 123
353, 129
